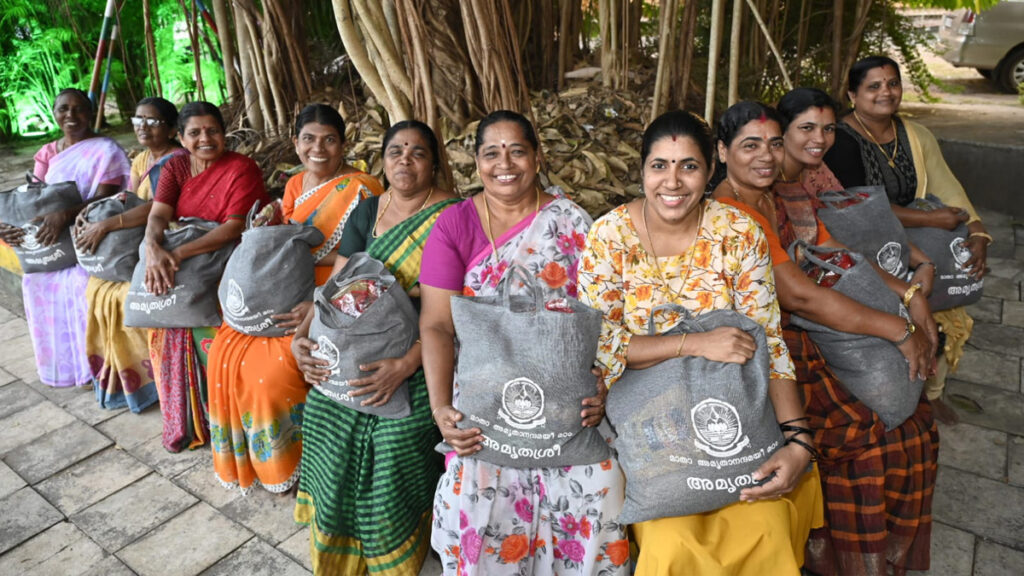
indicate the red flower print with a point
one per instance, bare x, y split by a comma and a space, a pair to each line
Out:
524, 509
585, 528
554, 275
514, 548
580, 239
569, 525
572, 549
566, 244
618, 552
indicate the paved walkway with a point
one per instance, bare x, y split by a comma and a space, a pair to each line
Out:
89, 491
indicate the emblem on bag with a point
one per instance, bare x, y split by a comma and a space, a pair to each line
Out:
234, 305
961, 253
29, 241
327, 351
889, 258
718, 427
522, 404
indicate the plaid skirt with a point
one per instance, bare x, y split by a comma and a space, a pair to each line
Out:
877, 485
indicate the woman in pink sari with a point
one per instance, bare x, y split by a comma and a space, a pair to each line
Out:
490, 519
55, 304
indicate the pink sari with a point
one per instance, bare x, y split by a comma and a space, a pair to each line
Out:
494, 520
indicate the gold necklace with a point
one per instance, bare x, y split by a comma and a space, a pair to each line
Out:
891, 158
487, 217
391, 194
693, 250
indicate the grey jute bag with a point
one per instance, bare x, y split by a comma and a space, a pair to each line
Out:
523, 372
872, 369
117, 253
691, 431
386, 329
20, 206
948, 249
862, 219
192, 302
270, 271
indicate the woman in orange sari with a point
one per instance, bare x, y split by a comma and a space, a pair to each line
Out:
257, 393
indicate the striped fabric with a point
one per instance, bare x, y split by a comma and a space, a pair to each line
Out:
877, 485
367, 483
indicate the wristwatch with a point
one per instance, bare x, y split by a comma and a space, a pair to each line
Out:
906, 335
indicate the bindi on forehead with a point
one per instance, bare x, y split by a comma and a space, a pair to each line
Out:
504, 144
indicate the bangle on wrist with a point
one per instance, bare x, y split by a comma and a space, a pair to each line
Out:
911, 328
810, 449
679, 349
984, 235
434, 411
928, 263
909, 294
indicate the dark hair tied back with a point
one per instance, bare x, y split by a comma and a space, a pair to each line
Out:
77, 93
320, 114
798, 100
426, 132
674, 124
199, 108
861, 68
168, 111
506, 116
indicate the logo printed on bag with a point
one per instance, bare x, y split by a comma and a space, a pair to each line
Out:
327, 351
961, 253
718, 427
889, 257
234, 305
522, 404
29, 241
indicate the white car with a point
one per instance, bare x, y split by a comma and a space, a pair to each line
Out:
991, 41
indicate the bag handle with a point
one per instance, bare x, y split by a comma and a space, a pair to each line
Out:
252, 214
667, 307
32, 179
834, 195
519, 272
813, 258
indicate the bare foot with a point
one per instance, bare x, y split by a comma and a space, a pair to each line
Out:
944, 412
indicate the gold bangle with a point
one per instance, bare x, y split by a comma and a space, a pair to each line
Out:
679, 349
909, 294
120, 221
434, 411
984, 235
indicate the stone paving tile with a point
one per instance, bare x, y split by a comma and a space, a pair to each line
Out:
11, 327
17, 397
1003, 268
130, 430
109, 566
1013, 314
123, 517
297, 548
10, 482
973, 449
153, 454
1015, 464
24, 514
256, 558
202, 483
63, 549
983, 367
55, 451
987, 310
995, 560
268, 515
92, 480
1002, 288
5, 376
23, 368
84, 407
998, 338
952, 552
981, 506
19, 346
31, 423
190, 543
1000, 410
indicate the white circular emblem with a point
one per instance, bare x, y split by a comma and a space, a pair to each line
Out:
889, 258
718, 428
326, 350
961, 253
29, 241
522, 403
234, 305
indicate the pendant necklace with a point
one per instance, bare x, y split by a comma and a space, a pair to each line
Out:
391, 194
689, 262
890, 158
490, 233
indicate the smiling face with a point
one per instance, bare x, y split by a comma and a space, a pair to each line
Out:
153, 137
320, 149
810, 135
879, 94
203, 137
755, 154
408, 163
73, 115
674, 177
507, 162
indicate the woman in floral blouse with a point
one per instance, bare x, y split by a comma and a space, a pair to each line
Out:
672, 246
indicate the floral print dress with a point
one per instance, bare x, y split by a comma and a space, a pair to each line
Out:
494, 520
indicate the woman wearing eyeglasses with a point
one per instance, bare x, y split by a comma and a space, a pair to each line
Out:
119, 356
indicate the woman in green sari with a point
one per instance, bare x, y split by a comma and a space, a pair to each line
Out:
367, 483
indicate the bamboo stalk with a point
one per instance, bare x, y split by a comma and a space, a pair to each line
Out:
151, 48
734, 52
714, 48
108, 21
771, 45
102, 100
249, 88
227, 48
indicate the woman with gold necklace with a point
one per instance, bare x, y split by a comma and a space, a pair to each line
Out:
502, 520
367, 482
672, 246
876, 146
